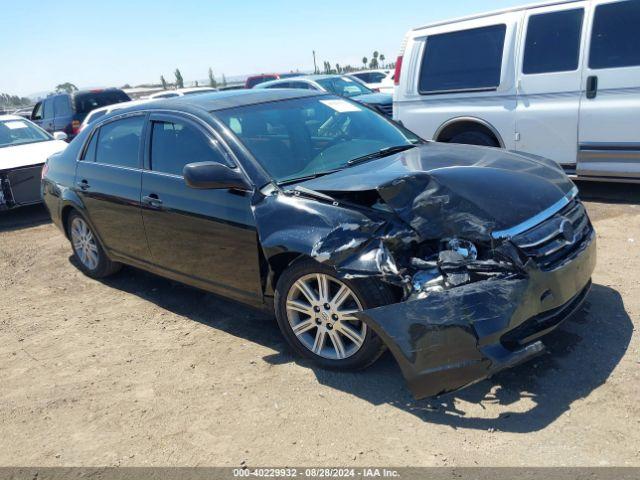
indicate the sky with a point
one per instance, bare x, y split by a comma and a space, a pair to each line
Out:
110, 43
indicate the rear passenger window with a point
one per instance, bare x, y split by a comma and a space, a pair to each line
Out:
90, 152
553, 42
119, 142
615, 39
175, 144
465, 60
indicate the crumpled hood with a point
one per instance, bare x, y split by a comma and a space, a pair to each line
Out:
454, 189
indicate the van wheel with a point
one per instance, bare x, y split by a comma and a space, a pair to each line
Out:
314, 310
87, 249
474, 137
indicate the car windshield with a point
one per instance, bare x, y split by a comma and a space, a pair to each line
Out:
343, 86
312, 136
20, 132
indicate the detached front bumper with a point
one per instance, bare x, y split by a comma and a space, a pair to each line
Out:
460, 336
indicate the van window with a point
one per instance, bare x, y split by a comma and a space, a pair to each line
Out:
87, 101
553, 42
465, 60
119, 142
615, 40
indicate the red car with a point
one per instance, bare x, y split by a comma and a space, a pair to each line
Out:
267, 77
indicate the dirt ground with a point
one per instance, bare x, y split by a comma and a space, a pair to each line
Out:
140, 371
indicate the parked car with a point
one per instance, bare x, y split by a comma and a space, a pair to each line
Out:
180, 92
102, 111
355, 232
267, 77
65, 112
376, 80
339, 85
560, 80
24, 148
24, 112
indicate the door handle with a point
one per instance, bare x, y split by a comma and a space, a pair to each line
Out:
152, 200
592, 87
83, 184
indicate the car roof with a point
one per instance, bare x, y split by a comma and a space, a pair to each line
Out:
214, 101
375, 70
518, 8
11, 117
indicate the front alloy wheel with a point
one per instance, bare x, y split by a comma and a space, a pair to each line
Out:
316, 314
320, 312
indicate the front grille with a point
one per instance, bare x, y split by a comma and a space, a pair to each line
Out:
385, 109
556, 240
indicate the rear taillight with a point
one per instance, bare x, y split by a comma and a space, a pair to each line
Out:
396, 75
75, 127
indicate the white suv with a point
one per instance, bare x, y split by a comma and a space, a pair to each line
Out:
560, 80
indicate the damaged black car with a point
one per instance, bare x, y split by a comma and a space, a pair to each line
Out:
359, 235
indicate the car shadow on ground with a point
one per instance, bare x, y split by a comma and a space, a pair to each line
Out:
24, 217
580, 356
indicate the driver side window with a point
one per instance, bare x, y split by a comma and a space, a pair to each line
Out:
37, 112
174, 144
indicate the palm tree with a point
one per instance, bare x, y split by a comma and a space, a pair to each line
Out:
364, 61
382, 59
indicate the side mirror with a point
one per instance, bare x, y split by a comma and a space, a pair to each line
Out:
59, 135
213, 175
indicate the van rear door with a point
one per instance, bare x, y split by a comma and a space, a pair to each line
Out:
549, 80
609, 137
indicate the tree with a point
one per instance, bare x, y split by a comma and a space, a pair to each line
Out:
374, 60
164, 82
179, 79
197, 84
66, 87
365, 60
224, 80
382, 59
212, 79
338, 69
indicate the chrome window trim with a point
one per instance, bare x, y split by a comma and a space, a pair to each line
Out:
536, 219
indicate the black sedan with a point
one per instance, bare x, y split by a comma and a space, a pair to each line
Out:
359, 235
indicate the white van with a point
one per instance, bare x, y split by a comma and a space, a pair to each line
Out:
560, 80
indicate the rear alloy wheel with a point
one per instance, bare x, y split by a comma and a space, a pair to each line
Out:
316, 313
87, 250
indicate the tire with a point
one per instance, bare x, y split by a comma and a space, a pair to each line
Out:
87, 251
474, 137
365, 294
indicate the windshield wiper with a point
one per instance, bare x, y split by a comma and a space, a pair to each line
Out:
385, 152
289, 181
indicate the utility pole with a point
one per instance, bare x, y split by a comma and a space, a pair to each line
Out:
315, 67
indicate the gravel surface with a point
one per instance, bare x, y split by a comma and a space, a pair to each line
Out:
138, 370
